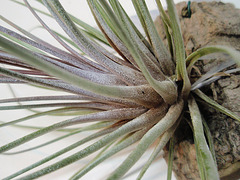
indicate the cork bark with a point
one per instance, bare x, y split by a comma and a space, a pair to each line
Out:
211, 23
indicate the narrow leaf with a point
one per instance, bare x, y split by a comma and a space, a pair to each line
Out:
192, 58
146, 119
60, 152
164, 139
208, 164
87, 128
170, 158
121, 92
215, 105
112, 115
163, 125
159, 49
115, 149
179, 48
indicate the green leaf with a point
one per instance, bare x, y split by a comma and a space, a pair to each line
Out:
77, 174
147, 119
163, 14
110, 115
127, 27
170, 158
116, 43
163, 125
206, 160
179, 48
192, 58
69, 41
81, 104
141, 18
167, 88
159, 49
60, 152
164, 139
209, 139
91, 31
51, 112
22, 43
215, 105
81, 129
121, 92
124, 143
200, 162
167, 27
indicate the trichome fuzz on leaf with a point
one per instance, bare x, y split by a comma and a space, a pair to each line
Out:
134, 91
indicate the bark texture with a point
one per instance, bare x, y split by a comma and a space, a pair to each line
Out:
213, 23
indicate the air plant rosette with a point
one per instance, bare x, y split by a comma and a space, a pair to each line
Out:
137, 91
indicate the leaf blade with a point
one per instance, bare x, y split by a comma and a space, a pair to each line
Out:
207, 161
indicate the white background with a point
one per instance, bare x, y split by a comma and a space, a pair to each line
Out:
22, 17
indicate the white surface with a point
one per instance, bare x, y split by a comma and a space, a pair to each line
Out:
22, 17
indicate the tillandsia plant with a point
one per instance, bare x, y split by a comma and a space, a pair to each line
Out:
127, 86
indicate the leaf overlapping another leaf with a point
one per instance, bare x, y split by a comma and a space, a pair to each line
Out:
135, 93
